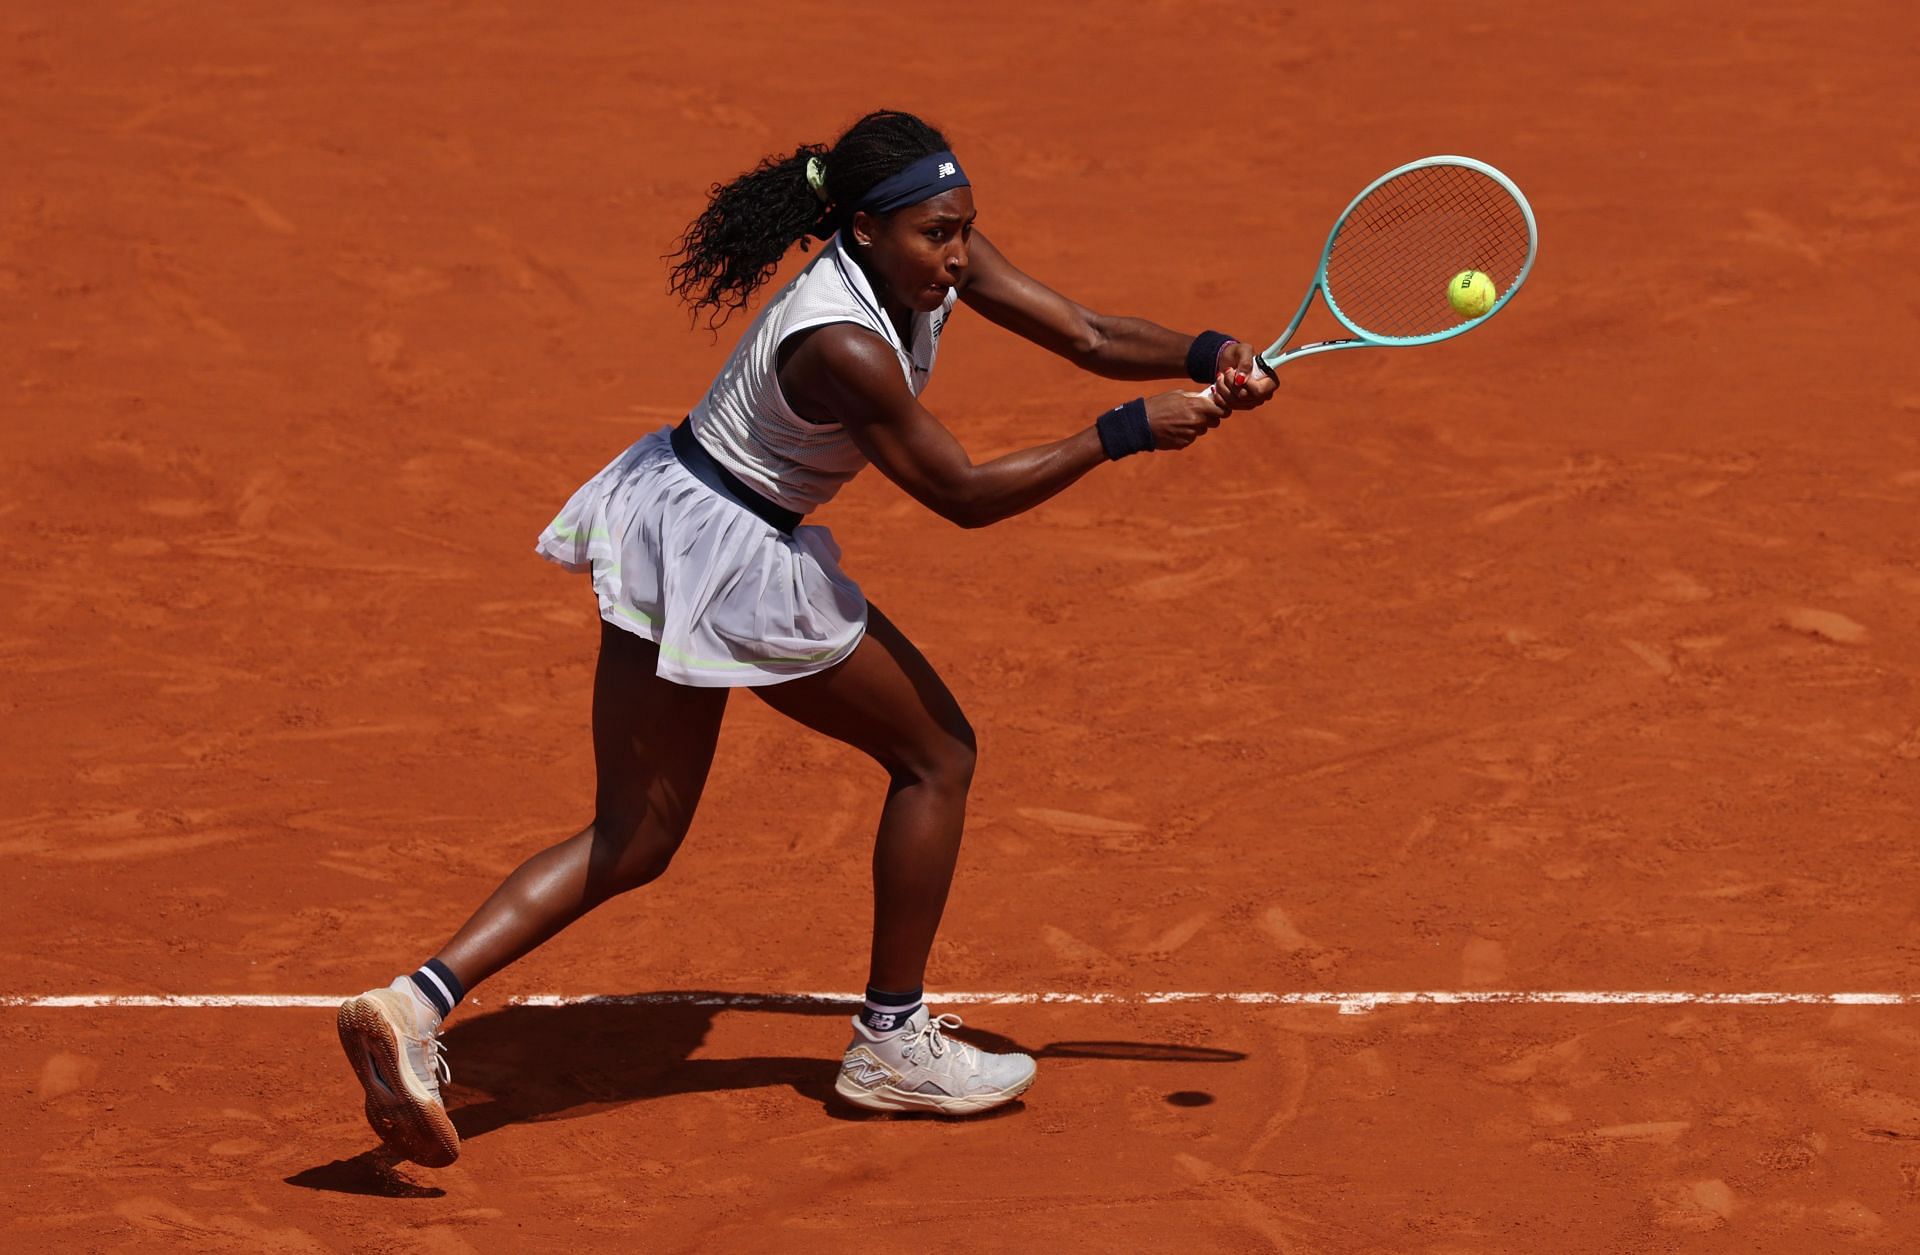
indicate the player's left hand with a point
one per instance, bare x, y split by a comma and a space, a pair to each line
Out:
1239, 382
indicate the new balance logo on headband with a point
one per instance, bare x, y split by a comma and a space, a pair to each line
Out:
923, 178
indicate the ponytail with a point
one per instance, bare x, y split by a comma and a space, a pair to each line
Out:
737, 242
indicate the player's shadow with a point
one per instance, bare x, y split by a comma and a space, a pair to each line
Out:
523, 1064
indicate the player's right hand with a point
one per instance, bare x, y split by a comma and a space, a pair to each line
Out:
1180, 418
1243, 382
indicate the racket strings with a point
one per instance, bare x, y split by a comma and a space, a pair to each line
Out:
1397, 250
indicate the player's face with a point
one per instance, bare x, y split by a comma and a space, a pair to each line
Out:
919, 253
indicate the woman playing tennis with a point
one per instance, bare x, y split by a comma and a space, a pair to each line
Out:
708, 581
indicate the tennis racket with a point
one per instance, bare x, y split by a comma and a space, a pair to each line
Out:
1391, 256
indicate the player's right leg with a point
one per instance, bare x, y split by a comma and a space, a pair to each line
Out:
653, 743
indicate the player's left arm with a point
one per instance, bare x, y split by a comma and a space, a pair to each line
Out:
1109, 345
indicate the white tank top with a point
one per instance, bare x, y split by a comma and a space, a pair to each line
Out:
744, 421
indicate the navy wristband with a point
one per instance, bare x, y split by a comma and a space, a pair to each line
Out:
1204, 354
1124, 430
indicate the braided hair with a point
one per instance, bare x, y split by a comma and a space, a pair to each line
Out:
737, 242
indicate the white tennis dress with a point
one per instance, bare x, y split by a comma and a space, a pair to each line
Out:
729, 598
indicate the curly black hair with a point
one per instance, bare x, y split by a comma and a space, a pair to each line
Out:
737, 242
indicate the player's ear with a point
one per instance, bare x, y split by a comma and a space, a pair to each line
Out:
863, 228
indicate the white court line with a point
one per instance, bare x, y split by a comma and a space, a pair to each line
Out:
1349, 1003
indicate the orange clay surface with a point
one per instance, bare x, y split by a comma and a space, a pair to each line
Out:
1578, 653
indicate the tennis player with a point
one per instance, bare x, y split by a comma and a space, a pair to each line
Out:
709, 579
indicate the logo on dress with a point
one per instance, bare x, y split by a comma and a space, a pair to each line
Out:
946, 169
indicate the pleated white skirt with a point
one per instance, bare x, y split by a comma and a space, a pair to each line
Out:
728, 598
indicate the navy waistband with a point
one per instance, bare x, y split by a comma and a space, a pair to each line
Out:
700, 464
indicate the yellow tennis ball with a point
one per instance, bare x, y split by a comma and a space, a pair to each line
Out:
1471, 294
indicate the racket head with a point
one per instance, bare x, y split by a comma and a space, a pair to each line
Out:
1388, 260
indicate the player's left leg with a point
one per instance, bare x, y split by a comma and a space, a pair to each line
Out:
887, 701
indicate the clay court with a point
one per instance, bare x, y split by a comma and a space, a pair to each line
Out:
1576, 654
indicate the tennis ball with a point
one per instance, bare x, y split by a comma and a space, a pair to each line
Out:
1471, 294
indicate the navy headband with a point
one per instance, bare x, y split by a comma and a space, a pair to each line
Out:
924, 179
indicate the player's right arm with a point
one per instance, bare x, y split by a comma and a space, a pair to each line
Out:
844, 373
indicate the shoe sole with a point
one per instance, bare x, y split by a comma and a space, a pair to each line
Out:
893, 1100
415, 1129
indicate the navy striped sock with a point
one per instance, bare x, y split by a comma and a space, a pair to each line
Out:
885, 1012
438, 985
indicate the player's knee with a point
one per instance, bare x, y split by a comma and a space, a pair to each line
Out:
964, 754
628, 852
946, 761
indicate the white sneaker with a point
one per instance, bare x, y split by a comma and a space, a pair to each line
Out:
400, 1060
919, 1068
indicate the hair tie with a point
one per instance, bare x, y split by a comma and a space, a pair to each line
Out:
817, 178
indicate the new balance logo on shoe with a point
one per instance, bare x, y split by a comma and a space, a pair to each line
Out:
863, 1071
882, 1020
